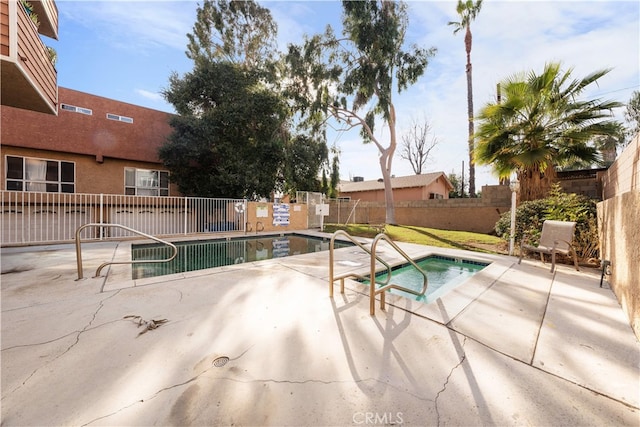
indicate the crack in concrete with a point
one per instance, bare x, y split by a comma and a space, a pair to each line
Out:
444, 386
154, 395
196, 377
77, 340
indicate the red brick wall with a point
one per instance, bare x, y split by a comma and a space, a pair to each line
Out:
91, 177
93, 135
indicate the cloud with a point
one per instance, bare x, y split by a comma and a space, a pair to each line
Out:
512, 37
154, 96
136, 25
294, 21
508, 37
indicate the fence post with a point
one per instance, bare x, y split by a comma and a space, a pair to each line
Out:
101, 216
185, 216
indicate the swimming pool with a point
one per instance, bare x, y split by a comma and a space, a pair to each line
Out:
201, 254
443, 274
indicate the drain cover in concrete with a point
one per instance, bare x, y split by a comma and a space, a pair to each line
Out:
219, 362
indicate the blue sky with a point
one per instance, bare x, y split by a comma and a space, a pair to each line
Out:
126, 50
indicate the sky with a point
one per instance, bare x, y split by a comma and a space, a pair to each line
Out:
126, 50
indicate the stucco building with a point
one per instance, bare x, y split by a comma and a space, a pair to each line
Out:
433, 185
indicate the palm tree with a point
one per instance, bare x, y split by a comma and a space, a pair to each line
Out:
540, 124
468, 10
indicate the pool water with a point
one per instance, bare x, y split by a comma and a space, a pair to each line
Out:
443, 274
201, 254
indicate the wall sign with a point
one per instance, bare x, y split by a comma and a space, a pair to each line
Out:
280, 214
262, 211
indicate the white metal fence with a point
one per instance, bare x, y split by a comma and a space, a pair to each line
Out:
314, 220
30, 217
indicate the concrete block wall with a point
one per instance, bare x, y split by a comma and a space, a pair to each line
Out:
619, 230
585, 187
476, 215
624, 173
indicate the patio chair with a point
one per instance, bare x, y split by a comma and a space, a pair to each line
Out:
556, 238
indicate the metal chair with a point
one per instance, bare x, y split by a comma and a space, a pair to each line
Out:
556, 237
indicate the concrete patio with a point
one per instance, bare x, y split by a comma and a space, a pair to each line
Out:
514, 345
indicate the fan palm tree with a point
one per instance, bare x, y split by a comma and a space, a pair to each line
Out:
541, 124
468, 10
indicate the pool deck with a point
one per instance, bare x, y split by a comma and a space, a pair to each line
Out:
514, 345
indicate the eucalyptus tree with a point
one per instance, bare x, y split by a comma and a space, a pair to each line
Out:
540, 124
468, 10
231, 129
352, 78
233, 133
240, 32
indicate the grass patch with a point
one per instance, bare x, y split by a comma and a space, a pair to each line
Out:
476, 242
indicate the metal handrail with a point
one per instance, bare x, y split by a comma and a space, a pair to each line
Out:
382, 290
332, 279
372, 277
79, 249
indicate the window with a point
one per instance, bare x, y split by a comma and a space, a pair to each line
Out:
30, 174
74, 109
143, 182
119, 118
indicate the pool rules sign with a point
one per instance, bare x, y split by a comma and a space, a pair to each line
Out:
280, 214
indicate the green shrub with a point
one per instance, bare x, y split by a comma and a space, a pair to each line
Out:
557, 206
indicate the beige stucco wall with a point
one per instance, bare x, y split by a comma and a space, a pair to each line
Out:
619, 230
624, 173
297, 218
401, 194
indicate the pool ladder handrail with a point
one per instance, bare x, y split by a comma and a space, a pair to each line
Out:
372, 282
386, 286
332, 279
248, 228
104, 264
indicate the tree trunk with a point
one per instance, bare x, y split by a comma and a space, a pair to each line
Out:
472, 168
534, 184
390, 216
386, 158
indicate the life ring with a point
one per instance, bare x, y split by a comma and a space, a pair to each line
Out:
239, 207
